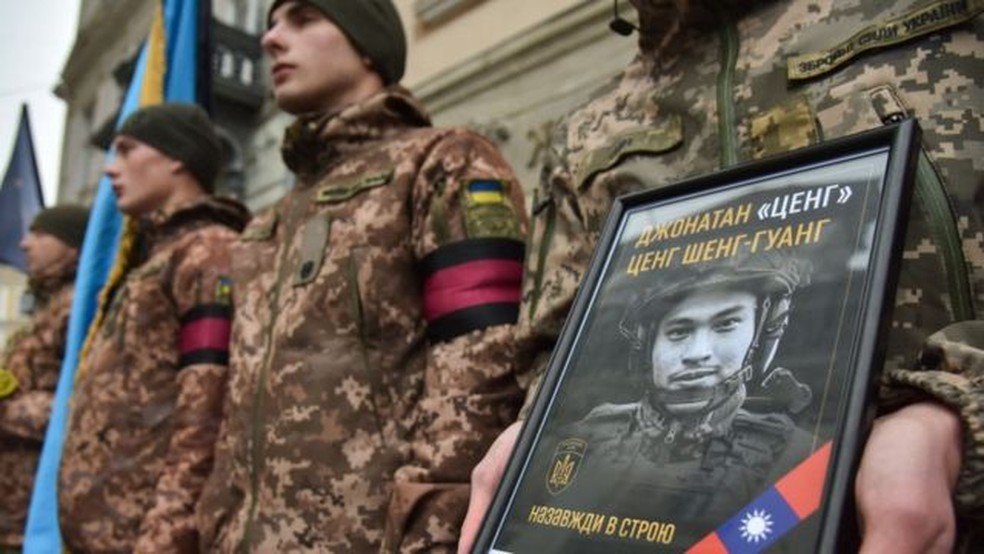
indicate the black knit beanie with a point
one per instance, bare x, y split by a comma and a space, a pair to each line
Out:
66, 223
373, 27
182, 132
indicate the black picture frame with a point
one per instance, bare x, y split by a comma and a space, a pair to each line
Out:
835, 214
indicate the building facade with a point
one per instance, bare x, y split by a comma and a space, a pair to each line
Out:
507, 68
13, 285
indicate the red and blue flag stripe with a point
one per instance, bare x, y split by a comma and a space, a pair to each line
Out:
795, 497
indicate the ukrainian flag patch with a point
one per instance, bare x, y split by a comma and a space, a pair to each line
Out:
486, 191
223, 291
488, 212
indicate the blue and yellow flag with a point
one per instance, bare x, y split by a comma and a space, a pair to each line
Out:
20, 195
168, 68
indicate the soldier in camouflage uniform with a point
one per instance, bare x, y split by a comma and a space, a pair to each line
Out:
717, 83
149, 386
372, 350
31, 360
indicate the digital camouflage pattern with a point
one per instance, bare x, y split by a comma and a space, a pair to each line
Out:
665, 118
346, 430
143, 418
33, 357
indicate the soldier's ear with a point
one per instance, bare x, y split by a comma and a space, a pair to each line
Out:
175, 166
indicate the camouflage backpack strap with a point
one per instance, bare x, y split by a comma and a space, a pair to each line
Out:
934, 203
940, 215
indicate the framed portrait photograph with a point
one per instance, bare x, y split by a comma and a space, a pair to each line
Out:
716, 378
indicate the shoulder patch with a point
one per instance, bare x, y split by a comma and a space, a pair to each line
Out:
223, 291
916, 23
564, 465
488, 213
486, 191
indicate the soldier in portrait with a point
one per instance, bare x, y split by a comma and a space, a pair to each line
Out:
690, 449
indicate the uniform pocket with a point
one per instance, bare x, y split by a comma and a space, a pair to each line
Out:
367, 331
572, 203
313, 248
659, 139
858, 110
786, 127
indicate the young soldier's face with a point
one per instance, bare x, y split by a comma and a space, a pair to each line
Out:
45, 254
142, 177
701, 343
314, 67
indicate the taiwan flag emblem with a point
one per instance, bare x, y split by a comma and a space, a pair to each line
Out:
775, 512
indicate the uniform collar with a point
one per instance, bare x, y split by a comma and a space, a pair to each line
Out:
314, 142
693, 428
204, 210
44, 288
661, 22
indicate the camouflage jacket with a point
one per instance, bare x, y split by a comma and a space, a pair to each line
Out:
666, 119
681, 473
33, 357
372, 350
148, 395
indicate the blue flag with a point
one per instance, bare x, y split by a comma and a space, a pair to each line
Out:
20, 195
175, 69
